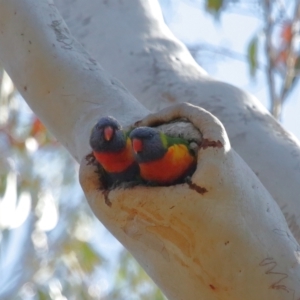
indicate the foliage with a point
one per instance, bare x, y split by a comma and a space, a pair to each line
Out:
128, 281
275, 43
252, 56
214, 5
47, 247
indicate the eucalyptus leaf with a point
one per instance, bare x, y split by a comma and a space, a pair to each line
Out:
252, 55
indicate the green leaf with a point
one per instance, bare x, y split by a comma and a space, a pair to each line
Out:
252, 56
131, 273
214, 5
3, 181
42, 295
88, 258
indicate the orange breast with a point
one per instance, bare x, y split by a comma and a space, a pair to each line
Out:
118, 161
169, 168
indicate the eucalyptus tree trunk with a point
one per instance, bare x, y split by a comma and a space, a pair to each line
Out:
222, 236
140, 50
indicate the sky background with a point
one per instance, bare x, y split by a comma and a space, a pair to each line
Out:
189, 21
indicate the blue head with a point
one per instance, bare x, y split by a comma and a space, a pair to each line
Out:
147, 144
107, 136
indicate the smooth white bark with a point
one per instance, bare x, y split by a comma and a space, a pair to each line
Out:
64, 86
141, 51
184, 248
220, 237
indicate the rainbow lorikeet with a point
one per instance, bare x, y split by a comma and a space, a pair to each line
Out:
112, 150
163, 159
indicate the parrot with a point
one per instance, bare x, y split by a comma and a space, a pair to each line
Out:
163, 160
112, 149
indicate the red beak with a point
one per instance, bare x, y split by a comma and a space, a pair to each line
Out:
108, 133
137, 145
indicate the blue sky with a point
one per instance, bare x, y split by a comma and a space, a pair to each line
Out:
192, 24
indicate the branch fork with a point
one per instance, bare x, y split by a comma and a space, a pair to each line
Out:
211, 238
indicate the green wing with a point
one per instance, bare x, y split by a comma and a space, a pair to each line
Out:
169, 141
127, 133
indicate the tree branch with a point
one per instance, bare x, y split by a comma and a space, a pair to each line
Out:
219, 236
290, 77
158, 69
221, 233
274, 99
62, 83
